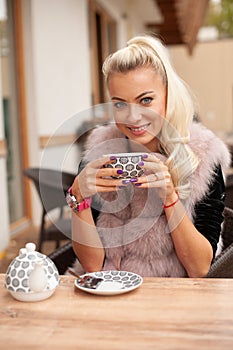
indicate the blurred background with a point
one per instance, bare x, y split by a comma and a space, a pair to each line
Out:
51, 53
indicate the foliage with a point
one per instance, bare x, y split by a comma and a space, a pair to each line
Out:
220, 15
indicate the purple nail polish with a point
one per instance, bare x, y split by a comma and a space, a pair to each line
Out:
126, 182
134, 179
137, 184
119, 171
140, 163
112, 157
145, 156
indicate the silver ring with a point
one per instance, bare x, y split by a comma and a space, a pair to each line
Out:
152, 177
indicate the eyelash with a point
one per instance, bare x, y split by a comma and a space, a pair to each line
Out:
144, 101
149, 100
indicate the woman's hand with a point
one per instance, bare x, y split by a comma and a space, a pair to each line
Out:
96, 178
157, 176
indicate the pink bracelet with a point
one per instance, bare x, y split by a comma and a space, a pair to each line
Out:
172, 204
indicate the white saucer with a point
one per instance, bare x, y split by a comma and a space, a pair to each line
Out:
114, 282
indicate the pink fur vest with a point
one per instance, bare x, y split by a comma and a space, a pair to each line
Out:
132, 224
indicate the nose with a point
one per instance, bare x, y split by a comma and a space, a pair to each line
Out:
134, 114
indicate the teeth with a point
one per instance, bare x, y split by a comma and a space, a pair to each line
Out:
139, 129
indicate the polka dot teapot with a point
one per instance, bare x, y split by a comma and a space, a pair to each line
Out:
31, 276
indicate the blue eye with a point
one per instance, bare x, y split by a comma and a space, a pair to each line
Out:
120, 105
146, 100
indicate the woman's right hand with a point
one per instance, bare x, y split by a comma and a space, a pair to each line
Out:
96, 178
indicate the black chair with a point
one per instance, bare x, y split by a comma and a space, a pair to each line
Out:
63, 257
51, 186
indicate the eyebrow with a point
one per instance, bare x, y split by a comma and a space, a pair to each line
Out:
139, 96
117, 98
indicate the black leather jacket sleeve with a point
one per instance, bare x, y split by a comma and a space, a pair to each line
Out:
209, 211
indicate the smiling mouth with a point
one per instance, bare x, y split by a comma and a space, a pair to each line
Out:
137, 129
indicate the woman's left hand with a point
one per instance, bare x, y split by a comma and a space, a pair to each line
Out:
158, 176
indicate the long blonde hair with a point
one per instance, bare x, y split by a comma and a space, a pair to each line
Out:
149, 51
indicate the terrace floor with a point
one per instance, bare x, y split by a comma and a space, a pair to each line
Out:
18, 241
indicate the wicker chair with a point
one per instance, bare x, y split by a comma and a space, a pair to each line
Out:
229, 191
222, 266
51, 186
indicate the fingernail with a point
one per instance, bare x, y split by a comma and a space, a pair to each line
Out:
112, 157
134, 179
140, 163
126, 182
137, 184
119, 171
145, 156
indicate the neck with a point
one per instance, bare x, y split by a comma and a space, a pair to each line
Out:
153, 146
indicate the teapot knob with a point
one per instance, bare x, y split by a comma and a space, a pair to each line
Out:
23, 251
31, 247
38, 279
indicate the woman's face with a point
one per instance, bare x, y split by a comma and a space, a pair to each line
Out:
139, 104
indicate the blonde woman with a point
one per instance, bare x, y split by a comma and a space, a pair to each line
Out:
166, 222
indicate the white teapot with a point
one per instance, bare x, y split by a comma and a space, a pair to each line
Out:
31, 276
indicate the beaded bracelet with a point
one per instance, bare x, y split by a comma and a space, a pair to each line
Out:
172, 204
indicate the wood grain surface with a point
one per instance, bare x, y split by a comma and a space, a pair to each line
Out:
164, 313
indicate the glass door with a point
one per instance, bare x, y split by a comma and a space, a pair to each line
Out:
12, 118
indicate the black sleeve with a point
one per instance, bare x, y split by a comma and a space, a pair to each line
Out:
209, 211
81, 165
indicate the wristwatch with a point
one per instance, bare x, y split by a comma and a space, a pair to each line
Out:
74, 204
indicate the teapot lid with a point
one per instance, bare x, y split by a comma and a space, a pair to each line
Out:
29, 253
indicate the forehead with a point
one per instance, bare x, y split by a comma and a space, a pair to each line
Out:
143, 78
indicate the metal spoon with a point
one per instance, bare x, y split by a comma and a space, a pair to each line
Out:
86, 281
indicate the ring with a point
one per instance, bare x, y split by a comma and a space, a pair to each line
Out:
152, 177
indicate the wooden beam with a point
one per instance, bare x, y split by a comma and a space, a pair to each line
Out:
182, 20
168, 30
190, 15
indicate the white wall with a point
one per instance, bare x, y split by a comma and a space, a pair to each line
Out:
209, 73
61, 51
131, 16
141, 13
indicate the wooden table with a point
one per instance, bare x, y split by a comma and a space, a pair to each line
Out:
164, 313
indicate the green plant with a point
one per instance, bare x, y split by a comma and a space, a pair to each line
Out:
220, 15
